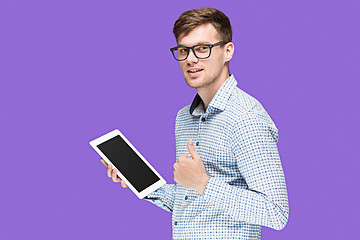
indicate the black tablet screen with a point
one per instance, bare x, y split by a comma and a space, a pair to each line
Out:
128, 163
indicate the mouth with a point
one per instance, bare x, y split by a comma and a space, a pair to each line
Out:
194, 71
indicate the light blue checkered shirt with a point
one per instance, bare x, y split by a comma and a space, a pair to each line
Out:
236, 140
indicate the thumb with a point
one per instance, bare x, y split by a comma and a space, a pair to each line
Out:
192, 150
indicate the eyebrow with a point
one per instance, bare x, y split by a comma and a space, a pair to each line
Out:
202, 42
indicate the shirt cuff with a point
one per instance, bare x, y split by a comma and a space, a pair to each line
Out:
151, 195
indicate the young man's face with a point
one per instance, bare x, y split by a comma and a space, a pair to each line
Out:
212, 68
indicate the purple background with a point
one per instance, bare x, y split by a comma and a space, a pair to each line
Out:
71, 71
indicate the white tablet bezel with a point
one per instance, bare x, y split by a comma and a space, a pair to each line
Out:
112, 134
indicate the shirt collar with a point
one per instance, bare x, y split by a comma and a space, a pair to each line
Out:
219, 101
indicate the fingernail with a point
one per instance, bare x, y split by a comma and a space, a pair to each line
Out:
191, 142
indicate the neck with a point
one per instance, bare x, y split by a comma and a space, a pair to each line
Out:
208, 92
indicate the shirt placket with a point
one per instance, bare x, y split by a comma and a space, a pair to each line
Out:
197, 142
188, 195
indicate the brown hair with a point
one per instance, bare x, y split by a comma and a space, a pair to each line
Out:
196, 17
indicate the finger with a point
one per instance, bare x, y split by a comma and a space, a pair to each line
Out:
109, 169
114, 176
182, 158
102, 160
192, 150
123, 184
175, 176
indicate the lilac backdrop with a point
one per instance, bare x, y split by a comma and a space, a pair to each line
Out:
71, 71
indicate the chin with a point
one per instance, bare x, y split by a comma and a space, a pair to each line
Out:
194, 83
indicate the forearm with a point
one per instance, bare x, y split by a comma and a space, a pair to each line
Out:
249, 205
163, 197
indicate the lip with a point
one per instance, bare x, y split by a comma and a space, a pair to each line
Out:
194, 74
194, 69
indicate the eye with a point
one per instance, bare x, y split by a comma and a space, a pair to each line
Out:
202, 48
182, 50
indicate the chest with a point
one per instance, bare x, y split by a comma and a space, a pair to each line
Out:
212, 139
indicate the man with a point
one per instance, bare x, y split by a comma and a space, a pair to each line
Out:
228, 172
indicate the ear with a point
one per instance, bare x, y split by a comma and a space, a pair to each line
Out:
229, 51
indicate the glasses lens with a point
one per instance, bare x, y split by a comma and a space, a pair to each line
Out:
180, 53
202, 51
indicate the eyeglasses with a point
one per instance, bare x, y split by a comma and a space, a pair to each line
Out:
201, 51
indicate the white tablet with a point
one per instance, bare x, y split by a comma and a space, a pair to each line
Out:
132, 167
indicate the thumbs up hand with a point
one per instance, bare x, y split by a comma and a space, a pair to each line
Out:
190, 172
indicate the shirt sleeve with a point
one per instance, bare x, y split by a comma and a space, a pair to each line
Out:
264, 202
163, 197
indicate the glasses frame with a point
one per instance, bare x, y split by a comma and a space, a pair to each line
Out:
193, 49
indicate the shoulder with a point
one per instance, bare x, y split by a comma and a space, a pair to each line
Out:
248, 114
183, 117
183, 113
245, 107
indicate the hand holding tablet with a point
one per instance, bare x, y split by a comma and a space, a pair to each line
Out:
112, 173
131, 166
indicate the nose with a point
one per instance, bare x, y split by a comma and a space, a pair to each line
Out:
191, 57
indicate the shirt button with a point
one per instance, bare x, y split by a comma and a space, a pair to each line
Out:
203, 119
175, 223
186, 197
197, 143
